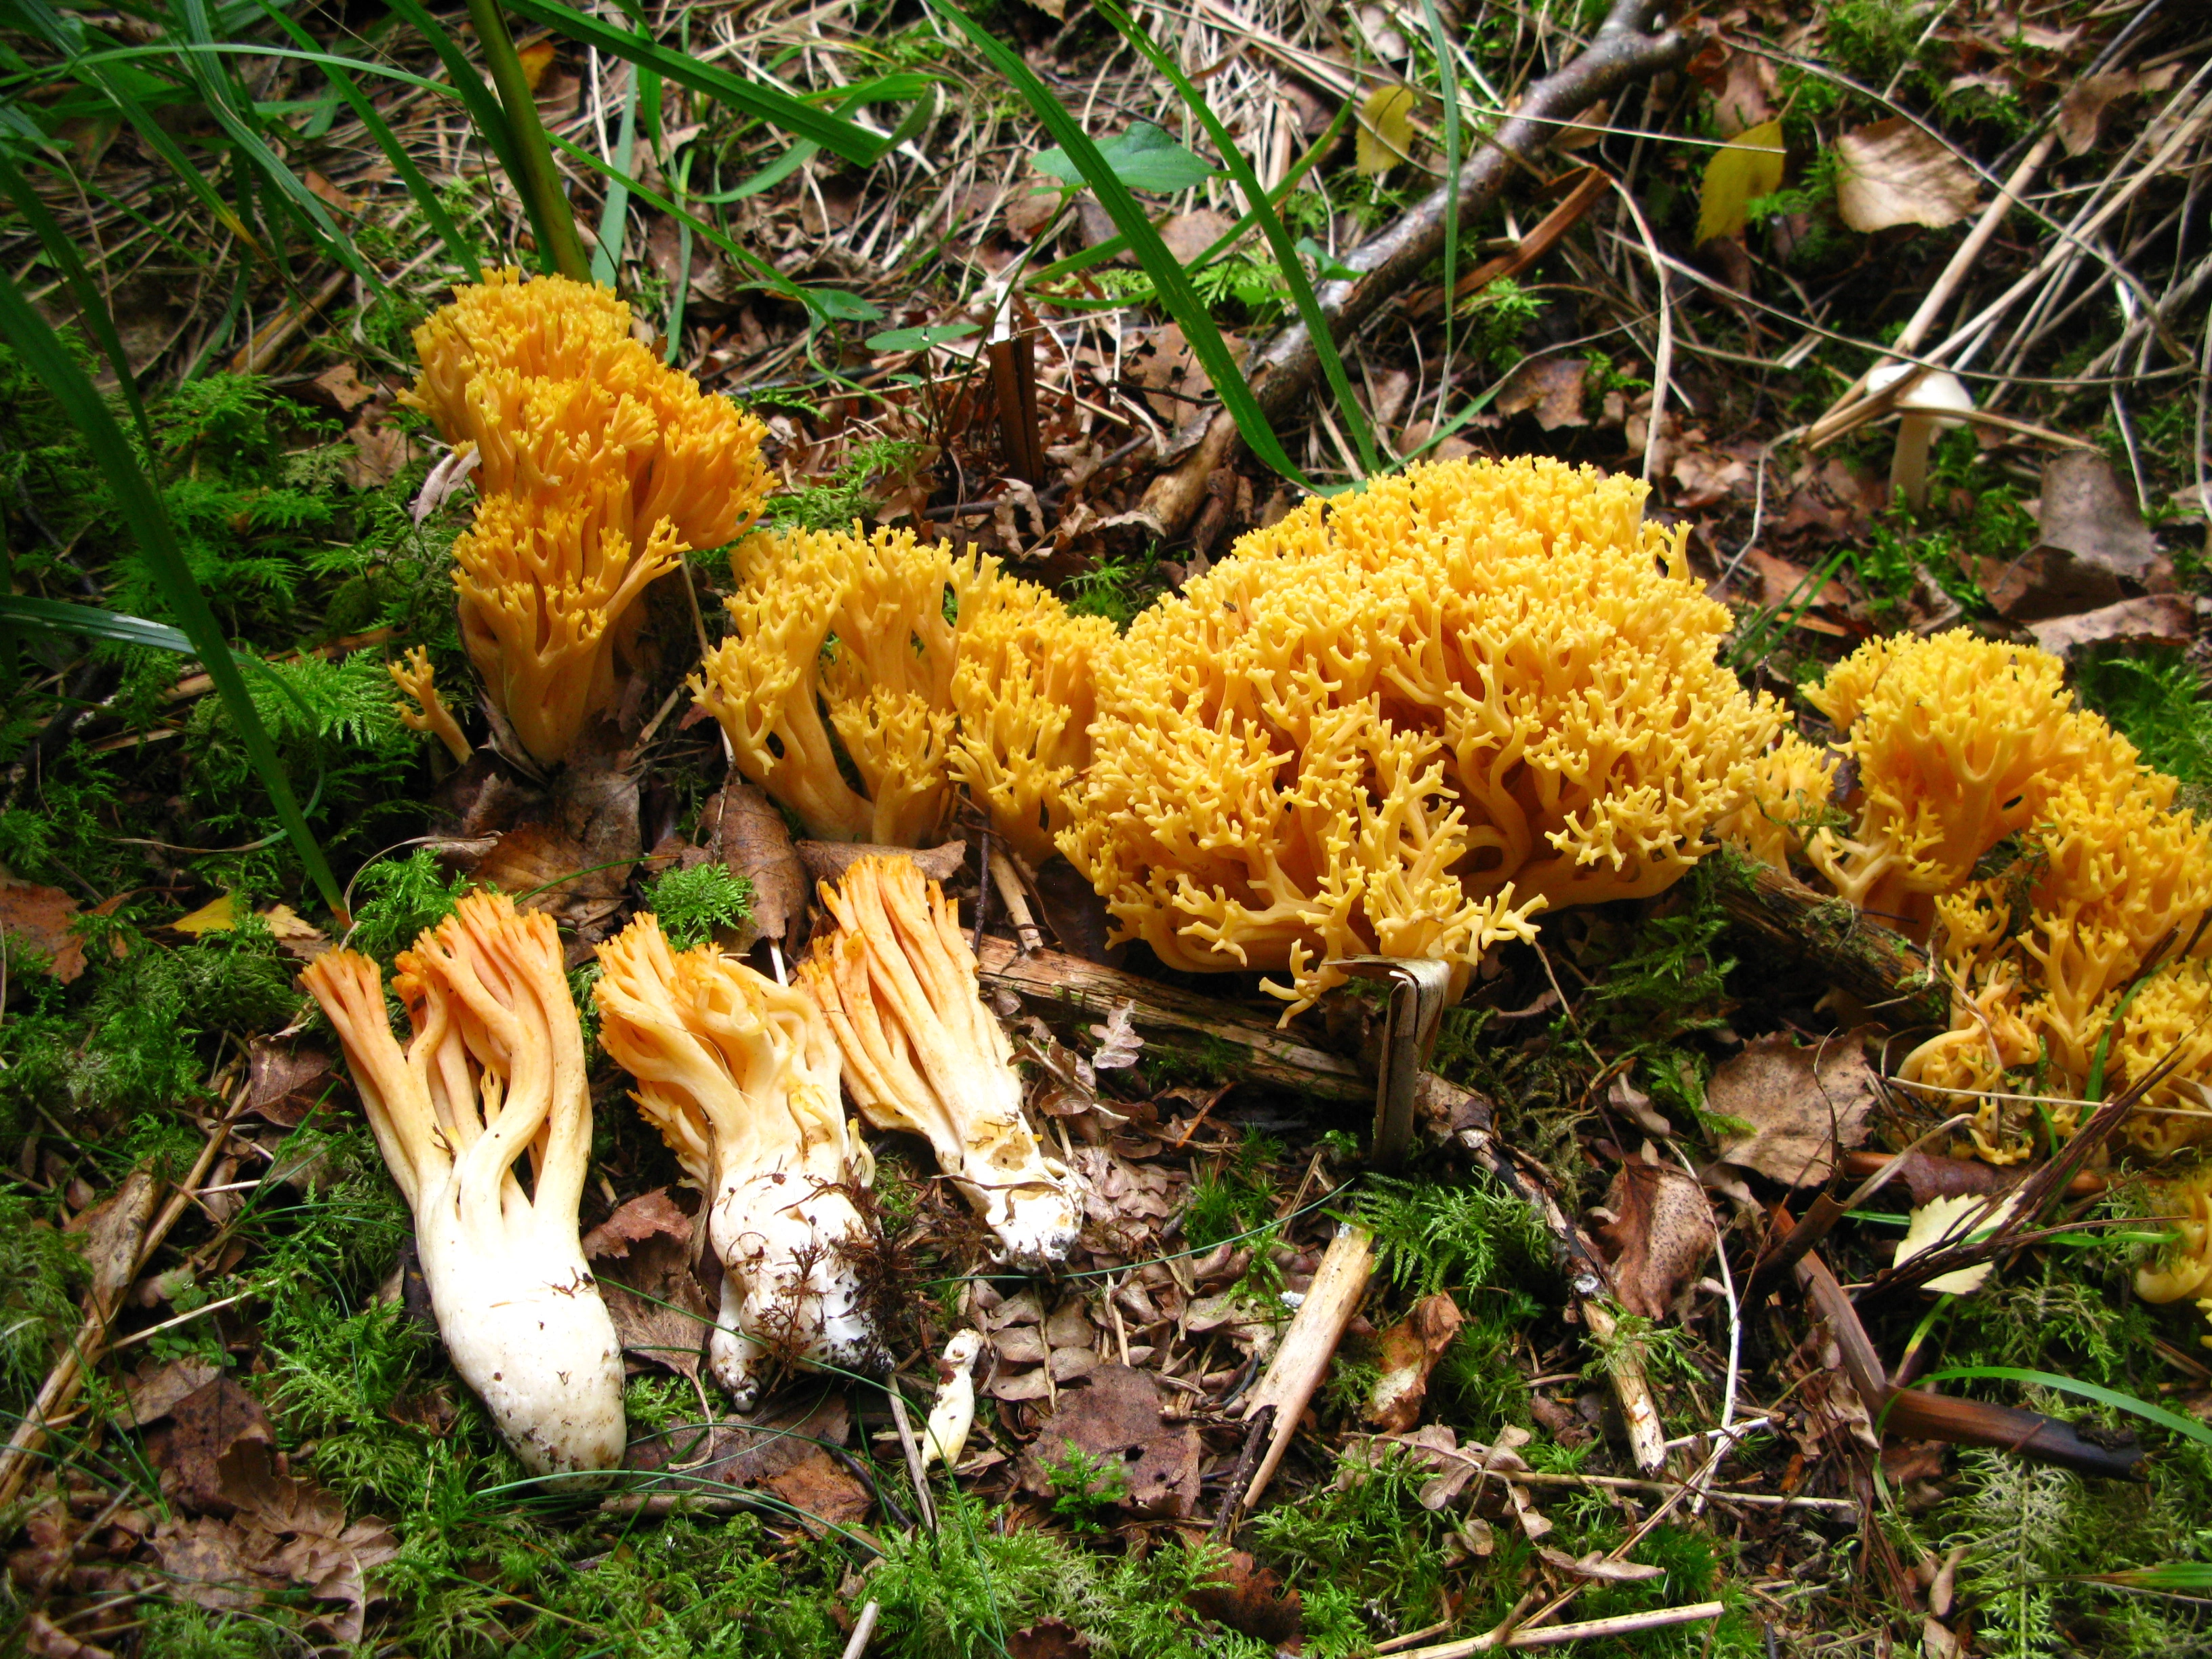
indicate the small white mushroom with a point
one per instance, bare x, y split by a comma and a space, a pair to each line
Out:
945, 1434
1931, 403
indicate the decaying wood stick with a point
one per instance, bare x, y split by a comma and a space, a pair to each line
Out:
1947, 1418
1587, 1630
1207, 1030
1301, 1357
1876, 963
1282, 372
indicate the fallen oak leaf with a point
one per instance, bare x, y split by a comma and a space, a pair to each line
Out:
1800, 1105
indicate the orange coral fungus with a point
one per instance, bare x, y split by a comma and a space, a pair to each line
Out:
598, 468
944, 669
417, 679
1405, 719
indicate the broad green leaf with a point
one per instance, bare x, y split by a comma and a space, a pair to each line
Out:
1386, 130
840, 307
1143, 158
1746, 167
919, 339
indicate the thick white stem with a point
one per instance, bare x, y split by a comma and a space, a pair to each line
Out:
789, 1247
527, 1331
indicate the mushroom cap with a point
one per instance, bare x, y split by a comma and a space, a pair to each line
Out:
1936, 393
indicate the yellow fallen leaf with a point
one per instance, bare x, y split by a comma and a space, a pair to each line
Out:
537, 58
1743, 169
1385, 130
286, 923
217, 915
1950, 1221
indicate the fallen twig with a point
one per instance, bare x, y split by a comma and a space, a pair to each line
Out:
1548, 1636
1301, 1357
1284, 371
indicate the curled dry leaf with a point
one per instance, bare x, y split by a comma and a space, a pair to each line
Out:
1252, 1601
1662, 1234
1802, 1105
741, 827
1894, 172
1943, 1222
2163, 619
1411, 1349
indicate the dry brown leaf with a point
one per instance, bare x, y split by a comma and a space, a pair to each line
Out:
822, 1493
149, 1399
1802, 1103
2152, 619
741, 828
343, 386
1114, 1417
1189, 235
1047, 1638
1893, 172
1411, 1349
1661, 1236
285, 1083
1596, 1566
2084, 511
1251, 1599
641, 1257
203, 1426
2083, 105
379, 452
1746, 98
1551, 387
39, 917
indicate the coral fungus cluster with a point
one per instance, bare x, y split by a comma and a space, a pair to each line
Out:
925, 669
1406, 719
495, 1070
598, 468
740, 1074
2059, 885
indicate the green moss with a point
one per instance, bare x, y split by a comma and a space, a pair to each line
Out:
694, 904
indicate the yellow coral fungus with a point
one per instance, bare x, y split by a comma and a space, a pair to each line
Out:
2063, 886
1404, 719
418, 680
944, 669
1789, 793
740, 1074
1958, 741
2186, 1269
598, 468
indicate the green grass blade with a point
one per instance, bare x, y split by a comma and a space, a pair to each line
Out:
222, 95
769, 276
615, 215
538, 180
459, 247
62, 617
466, 83
2172, 1421
1167, 275
91, 307
146, 519
1271, 226
769, 104
1448, 74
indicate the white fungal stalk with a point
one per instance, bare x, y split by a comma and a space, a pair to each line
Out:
494, 1069
923, 1055
740, 1074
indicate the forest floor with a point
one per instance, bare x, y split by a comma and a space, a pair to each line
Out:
234, 1430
